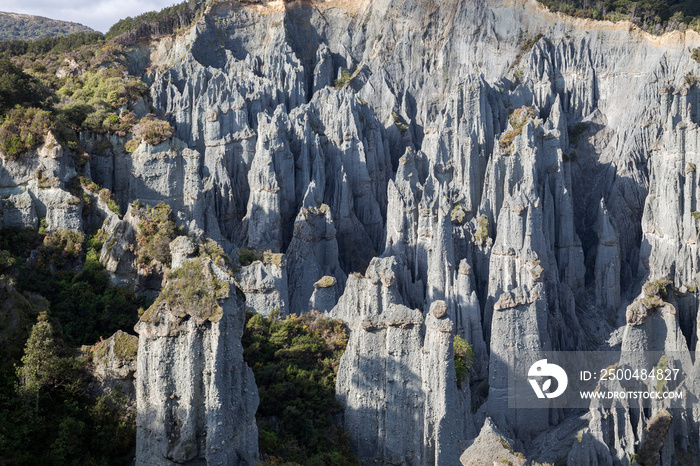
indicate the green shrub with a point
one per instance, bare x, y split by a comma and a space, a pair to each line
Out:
16, 87
156, 230
92, 98
518, 119
649, 451
464, 359
398, 121
166, 21
482, 231
151, 130
458, 214
107, 88
120, 124
107, 197
325, 282
247, 256
19, 241
62, 246
94, 122
46, 414
654, 17
343, 80
192, 289
45, 45
211, 249
295, 361
23, 129
274, 258
132, 144
85, 304
696, 55
659, 287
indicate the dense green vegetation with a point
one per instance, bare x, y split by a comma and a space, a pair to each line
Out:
193, 290
656, 16
22, 129
295, 361
464, 358
17, 88
72, 84
46, 413
16, 26
156, 230
166, 21
68, 274
151, 130
72, 42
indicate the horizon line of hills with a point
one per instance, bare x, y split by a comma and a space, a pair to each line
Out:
655, 17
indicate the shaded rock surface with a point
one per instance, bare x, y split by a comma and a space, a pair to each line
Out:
196, 398
114, 368
520, 173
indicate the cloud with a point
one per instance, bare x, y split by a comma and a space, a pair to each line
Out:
97, 14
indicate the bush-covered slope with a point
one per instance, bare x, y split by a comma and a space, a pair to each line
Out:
27, 27
656, 16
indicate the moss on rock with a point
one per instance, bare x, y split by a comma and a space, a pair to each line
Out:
124, 347
192, 290
649, 452
325, 282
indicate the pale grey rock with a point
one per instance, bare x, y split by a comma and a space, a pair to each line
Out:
652, 326
267, 188
389, 363
196, 397
438, 309
312, 254
62, 210
490, 447
531, 190
532, 246
447, 412
670, 229
607, 264
590, 451
468, 319
323, 71
114, 368
43, 173
117, 253
181, 249
265, 286
17, 210
325, 294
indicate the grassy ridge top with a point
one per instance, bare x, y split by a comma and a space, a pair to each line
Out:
14, 26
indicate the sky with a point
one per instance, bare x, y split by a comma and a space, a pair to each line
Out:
97, 14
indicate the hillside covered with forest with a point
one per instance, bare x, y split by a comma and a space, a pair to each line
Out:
14, 26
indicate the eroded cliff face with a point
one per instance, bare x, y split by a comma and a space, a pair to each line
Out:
195, 396
522, 172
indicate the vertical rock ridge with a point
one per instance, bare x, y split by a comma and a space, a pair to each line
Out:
196, 397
